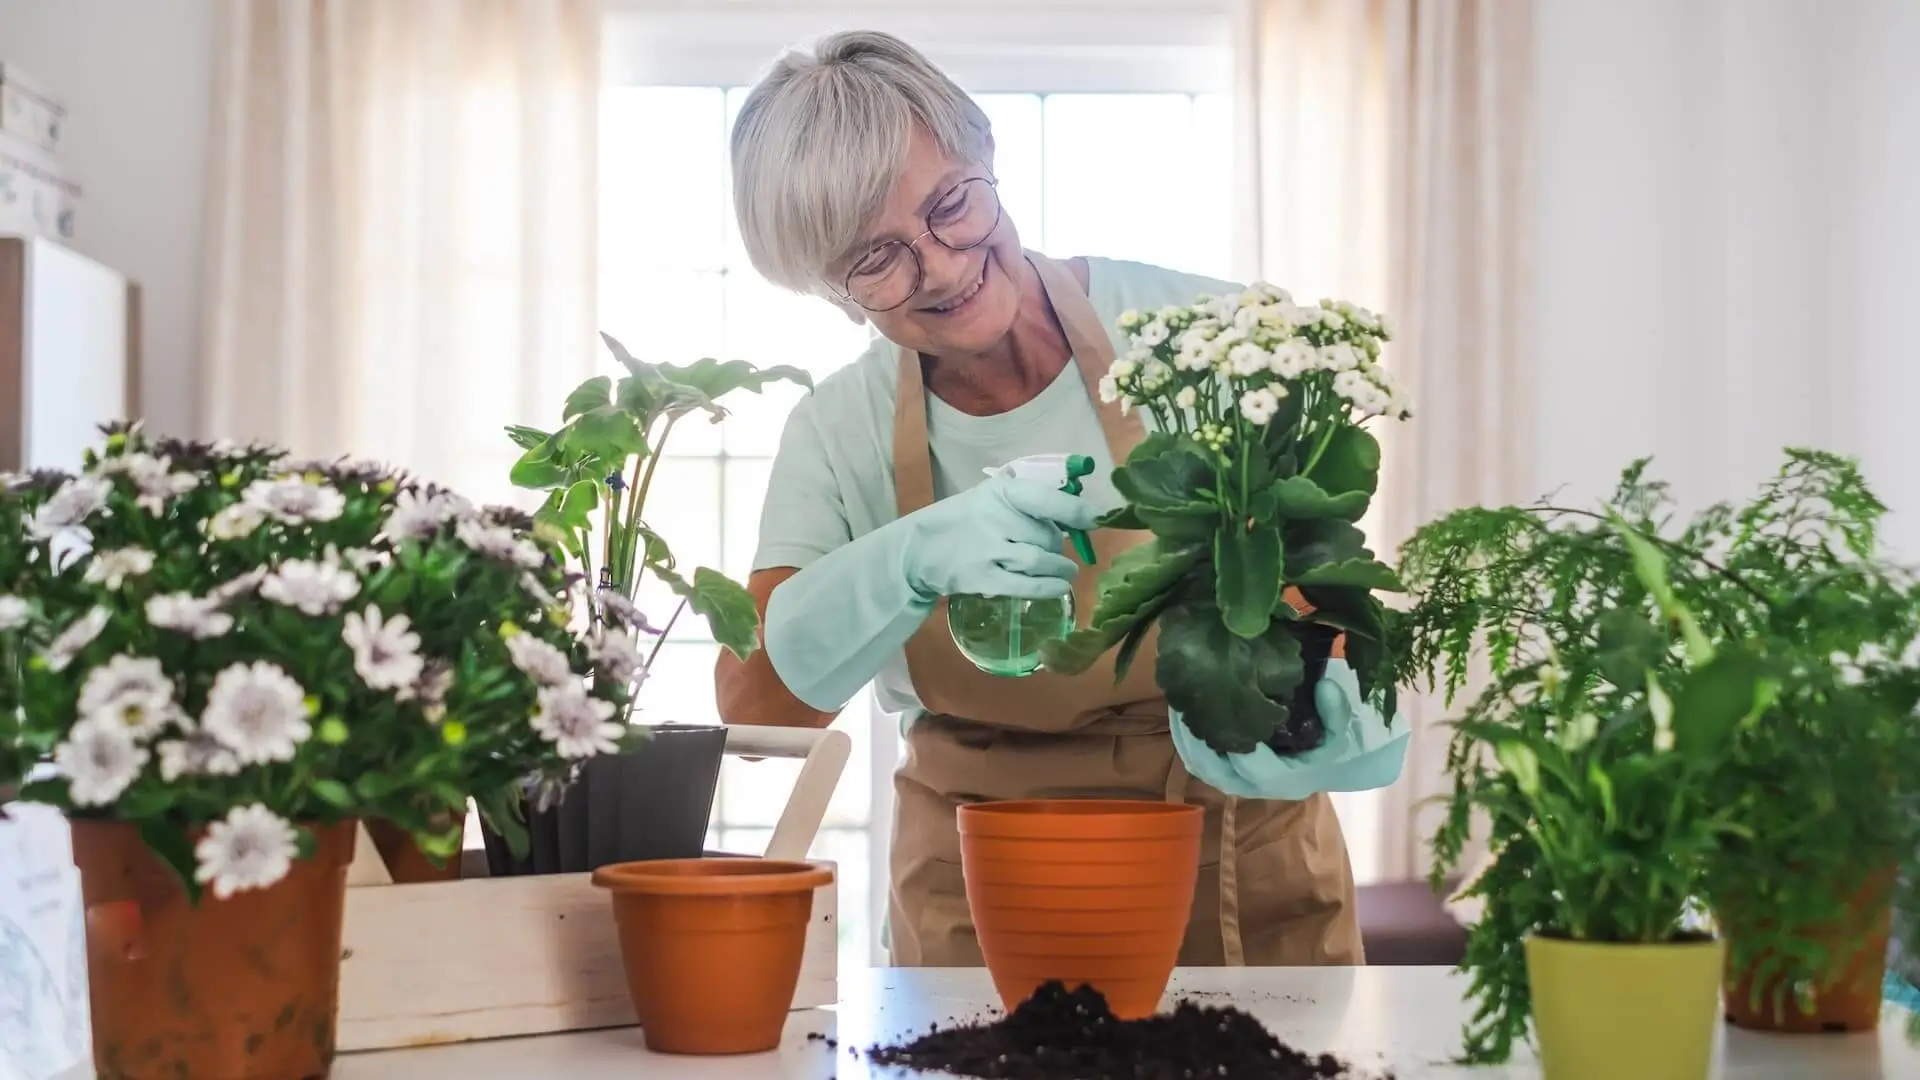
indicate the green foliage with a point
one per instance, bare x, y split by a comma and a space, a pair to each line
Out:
1249, 487
1769, 638
602, 460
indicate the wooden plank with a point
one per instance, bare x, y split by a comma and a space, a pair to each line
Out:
465, 960
13, 353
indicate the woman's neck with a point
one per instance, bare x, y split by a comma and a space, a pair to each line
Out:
1022, 364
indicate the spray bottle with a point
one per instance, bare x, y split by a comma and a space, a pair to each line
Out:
1002, 635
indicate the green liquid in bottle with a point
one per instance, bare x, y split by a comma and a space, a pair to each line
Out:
1002, 635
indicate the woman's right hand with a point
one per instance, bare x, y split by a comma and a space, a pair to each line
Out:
1001, 537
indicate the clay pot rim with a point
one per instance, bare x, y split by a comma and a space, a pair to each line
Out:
731, 876
1082, 819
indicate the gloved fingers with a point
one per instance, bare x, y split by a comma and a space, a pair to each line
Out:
1039, 501
1031, 561
1033, 533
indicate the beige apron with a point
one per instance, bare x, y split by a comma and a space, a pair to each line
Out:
1275, 885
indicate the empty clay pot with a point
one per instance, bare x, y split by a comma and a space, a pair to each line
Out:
1848, 999
1081, 890
712, 948
406, 863
245, 988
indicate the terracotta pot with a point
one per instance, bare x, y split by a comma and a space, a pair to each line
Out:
244, 988
1088, 891
1610, 1011
406, 863
1848, 999
712, 948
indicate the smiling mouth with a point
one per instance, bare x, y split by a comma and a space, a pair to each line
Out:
966, 295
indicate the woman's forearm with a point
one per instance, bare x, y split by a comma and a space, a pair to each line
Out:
750, 691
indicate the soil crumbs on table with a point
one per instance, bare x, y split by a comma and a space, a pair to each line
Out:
1061, 1034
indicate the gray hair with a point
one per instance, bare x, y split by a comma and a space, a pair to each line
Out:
820, 140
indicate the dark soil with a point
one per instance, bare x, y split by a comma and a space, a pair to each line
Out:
1061, 1034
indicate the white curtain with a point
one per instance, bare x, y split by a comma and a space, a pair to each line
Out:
401, 226
1384, 158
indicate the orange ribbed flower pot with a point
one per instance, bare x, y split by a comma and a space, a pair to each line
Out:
1091, 891
712, 947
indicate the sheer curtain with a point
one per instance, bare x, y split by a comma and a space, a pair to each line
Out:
1384, 157
401, 226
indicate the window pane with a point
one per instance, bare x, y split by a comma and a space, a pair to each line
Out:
683, 506
1017, 161
753, 793
770, 325
848, 849
670, 316
679, 687
662, 177
746, 484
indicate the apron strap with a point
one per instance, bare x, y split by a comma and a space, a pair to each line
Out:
912, 452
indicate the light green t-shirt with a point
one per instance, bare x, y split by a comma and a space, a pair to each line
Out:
832, 480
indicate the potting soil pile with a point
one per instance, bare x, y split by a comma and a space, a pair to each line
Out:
1060, 1033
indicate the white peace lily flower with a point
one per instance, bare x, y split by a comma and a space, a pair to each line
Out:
131, 691
195, 754
14, 613
386, 654
541, 662
1259, 405
233, 522
79, 634
617, 654
576, 723
251, 849
113, 568
77, 500
258, 711
499, 543
294, 500
99, 759
314, 588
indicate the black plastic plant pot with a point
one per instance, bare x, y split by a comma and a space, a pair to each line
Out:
651, 803
1305, 729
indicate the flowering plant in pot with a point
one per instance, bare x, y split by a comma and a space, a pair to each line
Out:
597, 469
1257, 469
1589, 756
215, 660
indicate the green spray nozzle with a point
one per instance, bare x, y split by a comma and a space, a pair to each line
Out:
1079, 465
1063, 469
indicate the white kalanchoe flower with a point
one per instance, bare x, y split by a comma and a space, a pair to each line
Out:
314, 588
295, 500
541, 662
1129, 319
79, 634
1248, 359
1259, 405
251, 849
233, 522
195, 754
14, 613
386, 654
617, 654
576, 723
1109, 389
99, 759
258, 711
1151, 333
77, 500
1187, 397
499, 543
113, 568
197, 617
131, 691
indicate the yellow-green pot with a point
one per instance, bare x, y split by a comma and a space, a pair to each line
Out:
1603, 1011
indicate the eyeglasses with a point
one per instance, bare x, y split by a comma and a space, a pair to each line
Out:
891, 274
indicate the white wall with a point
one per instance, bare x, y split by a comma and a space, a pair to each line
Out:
1728, 241
136, 76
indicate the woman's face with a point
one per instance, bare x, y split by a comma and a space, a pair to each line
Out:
967, 299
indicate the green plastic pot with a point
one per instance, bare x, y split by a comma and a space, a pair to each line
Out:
1604, 1011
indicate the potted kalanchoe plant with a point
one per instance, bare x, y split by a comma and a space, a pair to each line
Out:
215, 660
597, 470
1256, 470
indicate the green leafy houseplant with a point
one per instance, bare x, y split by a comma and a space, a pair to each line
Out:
602, 460
1252, 481
199, 636
1814, 790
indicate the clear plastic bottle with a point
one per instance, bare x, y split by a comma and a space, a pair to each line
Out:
1002, 635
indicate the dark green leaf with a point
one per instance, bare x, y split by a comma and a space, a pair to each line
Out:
1628, 646
608, 434
539, 468
169, 842
1353, 573
595, 393
1168, 483
1298, 498
726, 605
526, 438
1351, 462
1246, 566
1322, 542
1355, 611
1714, 700
581, 499
1233, 692
333, 792
1137, 580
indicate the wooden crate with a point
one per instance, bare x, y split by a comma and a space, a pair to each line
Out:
487, 958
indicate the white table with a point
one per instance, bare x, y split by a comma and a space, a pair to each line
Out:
1380, 1018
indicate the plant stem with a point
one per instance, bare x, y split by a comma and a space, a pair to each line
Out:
662, 639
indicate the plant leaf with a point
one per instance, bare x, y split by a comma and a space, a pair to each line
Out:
332, 792
1627, 647
1353, 573
1233, 692
726, 605
1135, 584
715, 379
588, 396
581, 499
1321, 542
1716, 699
1351, 462
540, 467
1167, 483
1297, 498
1246, 569
169, 842
607, 433
526, 438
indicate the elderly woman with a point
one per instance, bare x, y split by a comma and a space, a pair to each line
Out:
863, 175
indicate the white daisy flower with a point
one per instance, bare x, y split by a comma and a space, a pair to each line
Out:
314, 588
154, 479
541, 662
418, 517
1258, 406
623, 611
251, 849
241, 585
386, 654
77, 500
131, 691
195, 754
99, 760
436, 680
14, 613
233, 522
499, 543
197, 617
365, 560
576, 723
258, 711
78, 635
113, 568
617, 654
295, 499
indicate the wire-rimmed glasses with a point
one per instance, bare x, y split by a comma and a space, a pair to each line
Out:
890, 274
